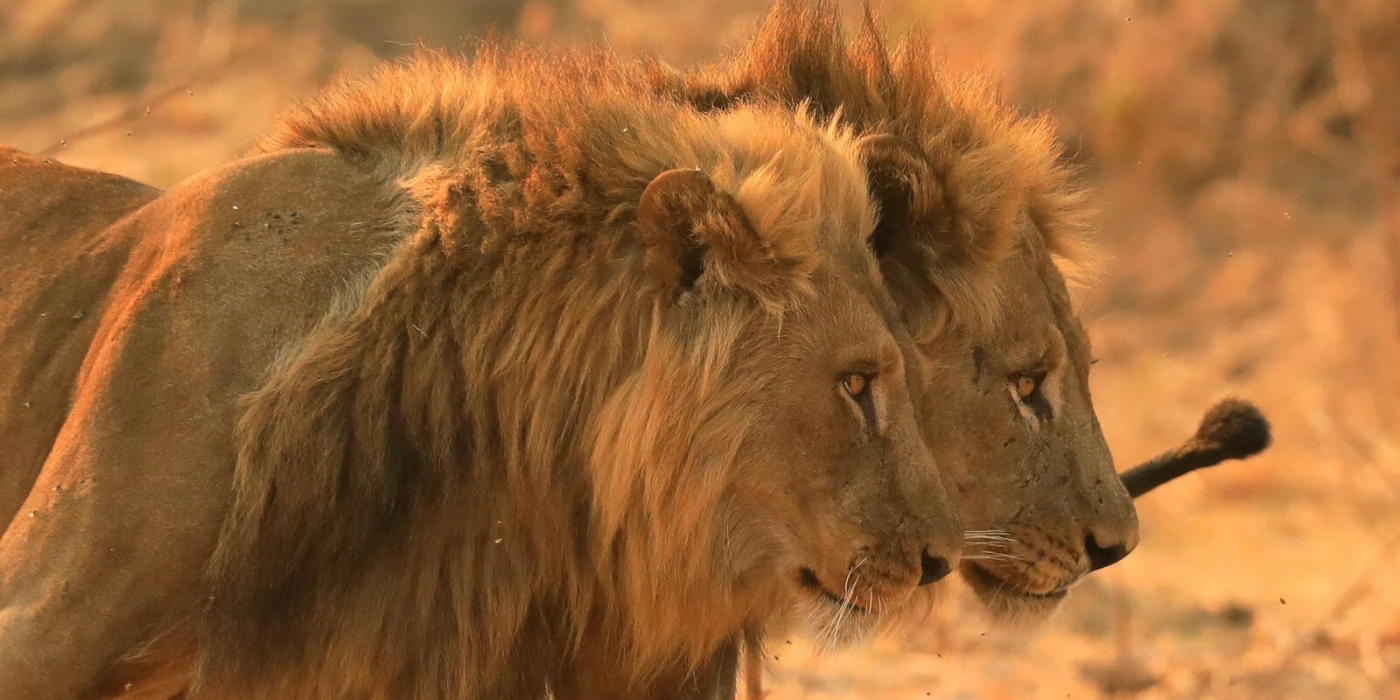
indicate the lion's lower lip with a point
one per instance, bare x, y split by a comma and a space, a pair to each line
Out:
809, 580
1000, 585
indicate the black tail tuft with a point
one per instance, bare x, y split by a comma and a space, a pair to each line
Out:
1236, 427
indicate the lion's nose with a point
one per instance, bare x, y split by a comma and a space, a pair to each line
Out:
1101, 556
934, 568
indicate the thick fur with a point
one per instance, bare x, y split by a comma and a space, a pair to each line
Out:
130, 322
530, 434
982, 229
977, 271
504, 408
990, 170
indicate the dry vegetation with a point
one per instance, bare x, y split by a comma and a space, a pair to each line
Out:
1247, 155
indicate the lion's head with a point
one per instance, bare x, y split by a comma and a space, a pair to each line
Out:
978, 226
629, 385
802, 456
1023, 448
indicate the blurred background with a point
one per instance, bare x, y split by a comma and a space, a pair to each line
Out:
1246, 156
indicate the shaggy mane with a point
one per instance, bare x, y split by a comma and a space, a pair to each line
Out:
446, 427
999, 173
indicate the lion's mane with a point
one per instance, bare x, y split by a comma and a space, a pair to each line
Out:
477, 445
997, 175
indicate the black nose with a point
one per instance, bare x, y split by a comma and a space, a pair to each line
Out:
1101, 557
934, 568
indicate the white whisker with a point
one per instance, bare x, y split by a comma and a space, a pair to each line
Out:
994, 532
989, 538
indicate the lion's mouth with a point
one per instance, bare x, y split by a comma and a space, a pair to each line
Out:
981, 578
809, 580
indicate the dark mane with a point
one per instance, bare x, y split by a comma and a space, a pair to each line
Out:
998, 176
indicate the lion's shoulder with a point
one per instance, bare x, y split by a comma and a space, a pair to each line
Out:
265, 242
200, 286
229, 229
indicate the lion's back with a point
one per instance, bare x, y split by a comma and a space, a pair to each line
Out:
201, 285
56, 266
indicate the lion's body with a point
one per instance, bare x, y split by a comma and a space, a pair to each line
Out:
129, 328
54, 214
456, 395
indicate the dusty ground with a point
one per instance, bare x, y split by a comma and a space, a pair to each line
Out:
1245, 156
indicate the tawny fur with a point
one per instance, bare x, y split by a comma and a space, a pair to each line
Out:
944, 269
993, 170
494, 435
517, 444
983, 228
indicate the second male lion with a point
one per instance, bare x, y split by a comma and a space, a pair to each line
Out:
978, 224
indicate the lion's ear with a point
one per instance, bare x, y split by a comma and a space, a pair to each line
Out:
932, 251
918, 208
683, 218
901, 183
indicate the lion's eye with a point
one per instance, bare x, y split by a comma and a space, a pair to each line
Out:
856, 385
1026, 381
1025, 386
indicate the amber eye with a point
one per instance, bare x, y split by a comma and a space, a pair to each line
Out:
1026, 386
855, 384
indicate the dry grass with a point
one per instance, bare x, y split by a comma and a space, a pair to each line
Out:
1246, 153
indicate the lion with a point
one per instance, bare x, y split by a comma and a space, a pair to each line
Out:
475, 380
981, 232
981, 235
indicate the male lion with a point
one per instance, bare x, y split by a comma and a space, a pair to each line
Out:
977, 222
978, 226
523, 380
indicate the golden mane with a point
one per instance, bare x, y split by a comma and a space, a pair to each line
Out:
514, 330
994, 170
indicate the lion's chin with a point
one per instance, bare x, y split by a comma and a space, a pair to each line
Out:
834, 622
831, 629
1005, 604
